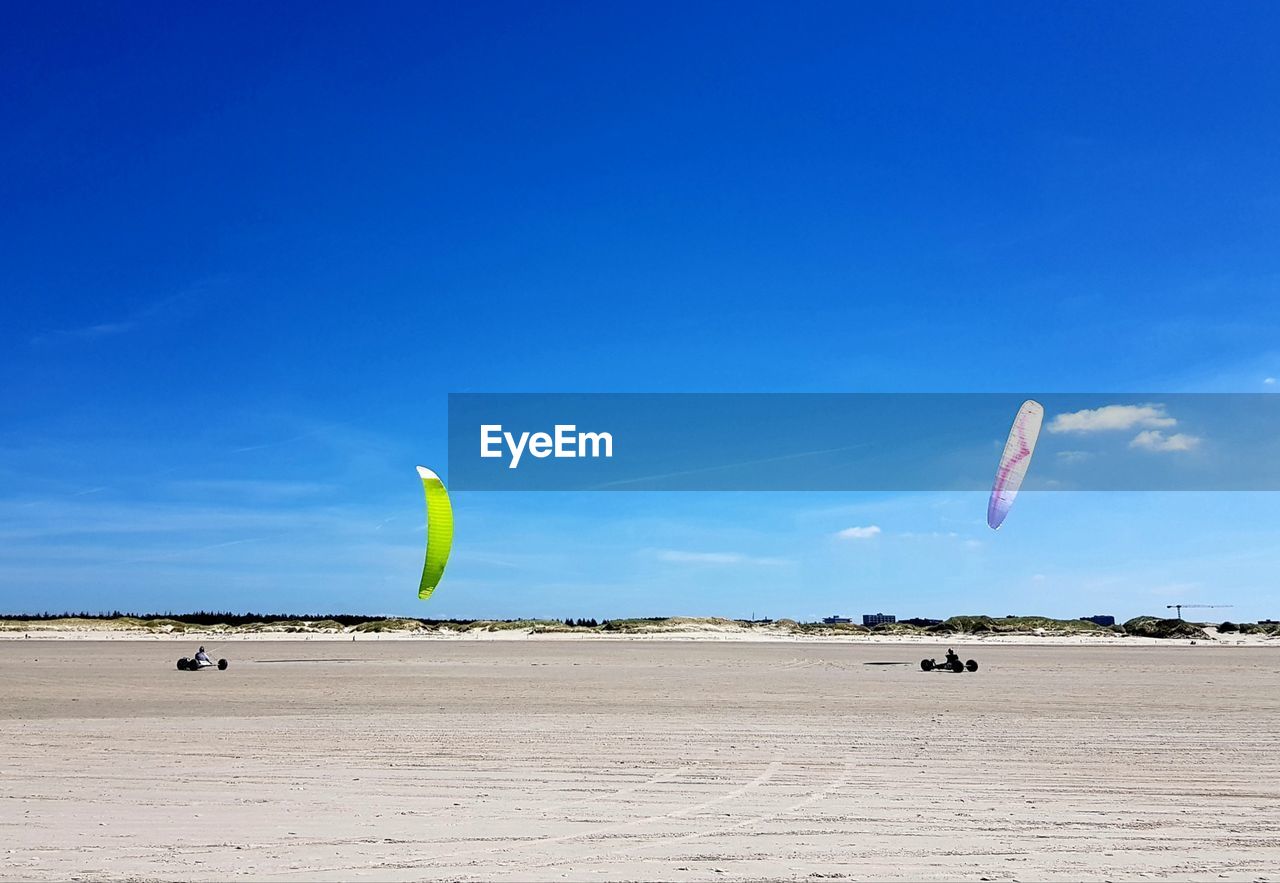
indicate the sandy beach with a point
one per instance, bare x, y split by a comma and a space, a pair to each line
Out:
629, 760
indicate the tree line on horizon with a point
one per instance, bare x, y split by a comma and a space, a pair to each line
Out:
226, 617
215, 617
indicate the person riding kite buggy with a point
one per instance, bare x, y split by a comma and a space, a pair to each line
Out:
201, 662
952, 663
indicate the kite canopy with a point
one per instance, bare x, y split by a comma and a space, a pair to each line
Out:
1014, 462
439, 531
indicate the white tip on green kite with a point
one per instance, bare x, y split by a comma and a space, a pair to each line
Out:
439, 531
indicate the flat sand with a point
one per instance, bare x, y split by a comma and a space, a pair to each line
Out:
598, 760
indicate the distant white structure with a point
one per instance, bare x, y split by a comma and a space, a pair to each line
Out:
870, 619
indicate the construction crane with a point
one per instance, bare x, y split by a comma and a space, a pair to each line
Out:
1179, 607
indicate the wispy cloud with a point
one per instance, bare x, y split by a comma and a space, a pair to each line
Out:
60, 535
1112, 418
67, 518
248, 489
279, 442
180, 553
1074, 456
1269, 381
165, 308
86, 332
1155, 440
871, 531
677, 556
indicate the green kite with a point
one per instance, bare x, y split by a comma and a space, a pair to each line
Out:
439, 531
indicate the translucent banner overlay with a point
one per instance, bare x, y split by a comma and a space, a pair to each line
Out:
859, 442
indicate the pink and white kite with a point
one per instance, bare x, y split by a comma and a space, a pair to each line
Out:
1014, 462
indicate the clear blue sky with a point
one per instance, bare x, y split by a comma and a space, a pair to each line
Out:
247, 250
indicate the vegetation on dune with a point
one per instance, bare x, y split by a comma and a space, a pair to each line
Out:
72, 623
13, 624
509, 625
557, 628
832, 628
1006, 625
1270, 628
293, 626
231, 624
634, 625
898, 628
1260, 628
377, 626
170, 625
1155, 627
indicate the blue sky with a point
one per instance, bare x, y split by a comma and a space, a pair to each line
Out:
248, 251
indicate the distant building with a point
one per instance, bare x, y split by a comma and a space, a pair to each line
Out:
835, 620
922, 623
1100, 619
870, 619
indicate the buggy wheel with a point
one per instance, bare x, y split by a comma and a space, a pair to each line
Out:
926, 665
971, 665
957, 666
222, 665
182, 664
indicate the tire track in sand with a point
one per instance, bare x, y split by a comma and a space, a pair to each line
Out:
432, 862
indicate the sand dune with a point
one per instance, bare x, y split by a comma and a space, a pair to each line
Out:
627, 760
1018, 630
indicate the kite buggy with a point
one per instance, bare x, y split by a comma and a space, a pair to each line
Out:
952, 663
200, 662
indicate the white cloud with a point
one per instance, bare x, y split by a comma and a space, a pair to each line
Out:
1074, 456
1111, 418
678, 556
859, 533
1269, 381
1155, 440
